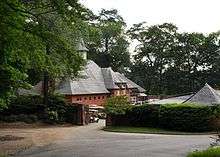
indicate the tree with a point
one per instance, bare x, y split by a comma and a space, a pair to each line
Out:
39, 35
154, 52
168, 62
117, 105
108, 45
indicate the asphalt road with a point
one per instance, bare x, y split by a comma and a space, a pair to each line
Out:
90, 141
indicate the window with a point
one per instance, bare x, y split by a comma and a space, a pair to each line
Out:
94, 98
85, 98
103, 97
99, 97
90, 98
77, 99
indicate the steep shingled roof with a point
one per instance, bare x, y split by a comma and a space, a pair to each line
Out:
207, 95
91, 82
95, 80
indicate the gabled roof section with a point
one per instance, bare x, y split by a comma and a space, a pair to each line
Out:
90, 82
81, 45
207, 95
131, 84
112, 78
109, 78
34, 90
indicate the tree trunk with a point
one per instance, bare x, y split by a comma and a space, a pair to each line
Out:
46, 82
45, 88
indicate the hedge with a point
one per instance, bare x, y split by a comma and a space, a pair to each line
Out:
187, 117
146, 115
31, 109
179, 117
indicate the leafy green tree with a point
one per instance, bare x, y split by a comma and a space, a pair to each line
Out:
117, 105
169, 62
108, 45
154, 52
38, 35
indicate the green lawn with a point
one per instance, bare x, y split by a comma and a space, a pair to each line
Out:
148, 130
211, 152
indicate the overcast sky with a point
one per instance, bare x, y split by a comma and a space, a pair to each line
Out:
188, 15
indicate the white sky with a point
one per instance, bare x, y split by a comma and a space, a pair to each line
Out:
188, 15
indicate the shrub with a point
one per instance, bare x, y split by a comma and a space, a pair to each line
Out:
71, 113
20, 118
211, 152
29, 109
24, 105
146, 115
117, 105
52, 116
187, 117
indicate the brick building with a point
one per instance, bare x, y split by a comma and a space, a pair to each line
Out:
96, 84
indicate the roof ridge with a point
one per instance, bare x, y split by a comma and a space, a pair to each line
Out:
206, 90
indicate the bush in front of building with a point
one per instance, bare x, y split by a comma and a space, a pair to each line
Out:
24, 105
117, 105
188, 117
178, 117
141, 116
31, 109
145, 115
19, 118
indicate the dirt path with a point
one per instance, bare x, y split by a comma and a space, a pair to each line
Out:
19, 137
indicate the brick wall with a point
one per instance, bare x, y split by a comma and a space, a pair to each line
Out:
92, 99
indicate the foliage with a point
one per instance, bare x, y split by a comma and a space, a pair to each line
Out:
147, 130
117, 105
108, 45
170, 62
52, 116
141, 116
210, 152
31, 109
38, 35
187, 117
19, 118
146, 115
179, 117
24, 105
60, 111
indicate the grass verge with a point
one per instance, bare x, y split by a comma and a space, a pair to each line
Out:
148, 130
210, 152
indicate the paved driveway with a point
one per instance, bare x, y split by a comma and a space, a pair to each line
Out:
90, 141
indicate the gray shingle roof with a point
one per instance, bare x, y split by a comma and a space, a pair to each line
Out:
207, 95
131, 84
109, 78
173, 100
93, 80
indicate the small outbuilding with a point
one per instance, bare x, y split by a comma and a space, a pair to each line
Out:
205, 96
